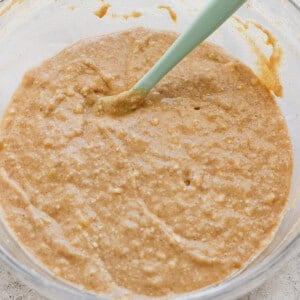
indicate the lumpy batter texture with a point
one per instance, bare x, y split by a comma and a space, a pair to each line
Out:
172, 197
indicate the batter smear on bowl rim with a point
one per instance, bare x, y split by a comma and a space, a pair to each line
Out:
172, 197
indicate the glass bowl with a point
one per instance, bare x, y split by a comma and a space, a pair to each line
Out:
33, 30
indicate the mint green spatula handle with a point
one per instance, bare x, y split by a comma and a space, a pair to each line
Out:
212, 16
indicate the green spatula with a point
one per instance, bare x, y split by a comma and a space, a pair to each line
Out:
212, 16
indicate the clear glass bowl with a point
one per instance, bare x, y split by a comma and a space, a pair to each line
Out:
33, 30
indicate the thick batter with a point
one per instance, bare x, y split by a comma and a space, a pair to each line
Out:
169, 198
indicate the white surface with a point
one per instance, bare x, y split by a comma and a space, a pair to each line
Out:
283, 286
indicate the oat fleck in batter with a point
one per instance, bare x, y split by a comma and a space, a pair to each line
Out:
172, 197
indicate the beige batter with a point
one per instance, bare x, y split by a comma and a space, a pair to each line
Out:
172, 197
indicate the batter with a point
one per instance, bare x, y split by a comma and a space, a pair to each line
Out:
174, 196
